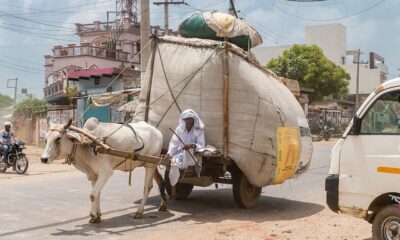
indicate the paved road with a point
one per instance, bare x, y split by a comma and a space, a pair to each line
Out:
52, 202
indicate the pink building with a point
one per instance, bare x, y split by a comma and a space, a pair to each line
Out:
102, 45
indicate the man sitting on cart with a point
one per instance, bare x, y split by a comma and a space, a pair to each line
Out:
188, 137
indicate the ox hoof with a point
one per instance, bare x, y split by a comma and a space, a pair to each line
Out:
137, 215
95, 220
162, 208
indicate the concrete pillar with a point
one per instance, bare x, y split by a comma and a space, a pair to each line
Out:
96, 25
78, 27
57, 51
85, 48
117, 22
71, 49
127, 23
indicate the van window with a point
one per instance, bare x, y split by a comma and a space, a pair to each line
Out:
384, 115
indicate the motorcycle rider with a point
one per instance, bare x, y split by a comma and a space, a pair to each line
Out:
7, 138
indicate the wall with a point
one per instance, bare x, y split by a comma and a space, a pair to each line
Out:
265, 54
369, 78
94, 89
331, 38
84, 61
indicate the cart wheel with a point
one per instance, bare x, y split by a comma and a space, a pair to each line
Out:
183, 190
245, 194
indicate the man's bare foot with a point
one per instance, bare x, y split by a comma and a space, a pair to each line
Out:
173, 193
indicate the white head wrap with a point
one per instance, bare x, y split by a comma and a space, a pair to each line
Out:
198, 124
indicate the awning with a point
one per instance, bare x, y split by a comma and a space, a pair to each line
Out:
103, 72
112, 98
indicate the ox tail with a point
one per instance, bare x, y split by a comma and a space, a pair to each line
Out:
161, 184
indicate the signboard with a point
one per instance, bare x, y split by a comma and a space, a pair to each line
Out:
60, 116
54, 116
42, 128
288, 153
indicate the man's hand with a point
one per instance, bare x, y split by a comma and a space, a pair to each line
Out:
165, 157
189, 146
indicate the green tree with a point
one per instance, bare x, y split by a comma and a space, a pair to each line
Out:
5, 101
31, 106
312, 69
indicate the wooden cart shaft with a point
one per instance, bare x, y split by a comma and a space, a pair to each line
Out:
106, 149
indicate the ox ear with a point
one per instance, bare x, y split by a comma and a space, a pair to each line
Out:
74, 136
67, 125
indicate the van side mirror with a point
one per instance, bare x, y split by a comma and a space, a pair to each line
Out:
356, 128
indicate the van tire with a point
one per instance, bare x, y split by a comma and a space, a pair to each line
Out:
389, 213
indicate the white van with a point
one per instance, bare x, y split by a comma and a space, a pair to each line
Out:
364, 174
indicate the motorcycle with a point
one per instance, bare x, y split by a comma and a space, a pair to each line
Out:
326, 132
16, 159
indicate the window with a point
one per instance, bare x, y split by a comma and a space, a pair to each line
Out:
384, 115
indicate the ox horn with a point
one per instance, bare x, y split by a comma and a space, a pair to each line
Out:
66, 126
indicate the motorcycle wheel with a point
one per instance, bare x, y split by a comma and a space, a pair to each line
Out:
21, 165
3, 167
327, 136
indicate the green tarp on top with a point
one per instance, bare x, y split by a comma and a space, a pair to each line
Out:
217, 26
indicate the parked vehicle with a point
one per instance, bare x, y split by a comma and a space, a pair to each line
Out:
16, 159
364, 174
326, 132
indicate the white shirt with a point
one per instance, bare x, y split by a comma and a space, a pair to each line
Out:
7, 137
192, 137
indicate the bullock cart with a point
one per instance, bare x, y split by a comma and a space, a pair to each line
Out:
215, 169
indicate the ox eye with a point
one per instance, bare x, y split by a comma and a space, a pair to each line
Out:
58, 139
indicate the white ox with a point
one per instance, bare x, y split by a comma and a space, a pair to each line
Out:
99, 168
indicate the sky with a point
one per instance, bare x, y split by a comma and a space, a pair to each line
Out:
30, 28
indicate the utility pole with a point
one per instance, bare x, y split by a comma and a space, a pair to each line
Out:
15, 86
358, 79
145, 32
166, 4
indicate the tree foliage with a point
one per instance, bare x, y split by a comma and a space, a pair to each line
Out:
31, 106
312, 69
5, 101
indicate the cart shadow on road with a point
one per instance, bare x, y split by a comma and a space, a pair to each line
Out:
203, 206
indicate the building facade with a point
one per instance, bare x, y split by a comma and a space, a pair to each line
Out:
101, 92
102, 45
331, 38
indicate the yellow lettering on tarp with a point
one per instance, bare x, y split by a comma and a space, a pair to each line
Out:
288, 153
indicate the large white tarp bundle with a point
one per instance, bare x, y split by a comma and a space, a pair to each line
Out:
264, 116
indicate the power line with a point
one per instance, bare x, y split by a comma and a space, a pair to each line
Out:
20, 60
327, 40
56, 9
314, 4
21, 70
266, 29
332, 19
18, 65
40, 33
50, 30
34, 21
35, 34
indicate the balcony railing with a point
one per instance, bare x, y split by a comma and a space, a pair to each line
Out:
87, 50
94, 27
54, 88
98, 26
